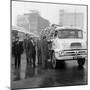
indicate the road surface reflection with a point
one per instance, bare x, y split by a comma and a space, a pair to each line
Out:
68, 74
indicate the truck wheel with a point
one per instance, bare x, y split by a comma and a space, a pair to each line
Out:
53, 61
81, 61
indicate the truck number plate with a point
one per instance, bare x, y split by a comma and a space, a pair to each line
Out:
76, 57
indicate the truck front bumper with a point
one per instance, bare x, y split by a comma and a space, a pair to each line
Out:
70, 57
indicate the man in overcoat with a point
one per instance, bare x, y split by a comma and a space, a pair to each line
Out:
18, 50
29, 50
44, 52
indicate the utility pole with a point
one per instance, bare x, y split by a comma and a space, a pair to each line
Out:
27, 20
75, 18
61, 17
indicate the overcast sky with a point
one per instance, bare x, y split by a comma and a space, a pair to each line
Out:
48, 11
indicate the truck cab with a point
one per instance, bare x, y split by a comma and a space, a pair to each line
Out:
68, 44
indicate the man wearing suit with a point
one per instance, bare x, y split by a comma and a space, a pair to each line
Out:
44, 52
29, 47
18, 50
33, 51
39, 52
25, 45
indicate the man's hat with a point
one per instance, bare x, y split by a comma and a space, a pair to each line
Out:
44, 37
26, 34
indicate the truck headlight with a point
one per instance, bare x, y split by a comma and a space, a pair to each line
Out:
61, 52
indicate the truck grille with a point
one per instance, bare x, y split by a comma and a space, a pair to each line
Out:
75, 44
76, 52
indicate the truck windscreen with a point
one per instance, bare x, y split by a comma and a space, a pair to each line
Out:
69, 34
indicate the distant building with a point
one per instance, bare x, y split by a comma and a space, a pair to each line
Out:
37, 23
71, 19
22, 22
33, 22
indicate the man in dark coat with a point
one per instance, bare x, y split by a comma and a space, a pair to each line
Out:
33, 50
18, 50
39, 52
29, 50
44, 52
25, 45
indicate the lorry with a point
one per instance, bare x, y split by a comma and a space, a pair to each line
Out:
67, 43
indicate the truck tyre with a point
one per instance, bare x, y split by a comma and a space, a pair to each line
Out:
53, 61
81, 61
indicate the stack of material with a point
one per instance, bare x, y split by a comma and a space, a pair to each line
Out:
48, 32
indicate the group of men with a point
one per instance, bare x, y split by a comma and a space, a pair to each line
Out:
30, 47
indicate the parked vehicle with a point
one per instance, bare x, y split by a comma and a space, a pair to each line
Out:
68, 44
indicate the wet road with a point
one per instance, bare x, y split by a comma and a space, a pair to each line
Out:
68, 74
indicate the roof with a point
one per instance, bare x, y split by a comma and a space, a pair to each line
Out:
22, 30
